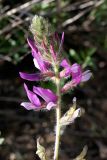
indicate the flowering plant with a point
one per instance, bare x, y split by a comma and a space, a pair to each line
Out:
47, 57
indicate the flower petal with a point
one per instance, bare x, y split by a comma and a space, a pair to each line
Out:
46, 94
31, 77
36, 64
50, 105
75, 67
28, 105
76, 73
65, 73
86, 76
37, 55
69, 85
67, 69
64, 63
32, 97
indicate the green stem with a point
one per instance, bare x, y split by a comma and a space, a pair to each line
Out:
58, 116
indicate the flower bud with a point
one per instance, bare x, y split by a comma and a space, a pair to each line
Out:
47, 41
41, 29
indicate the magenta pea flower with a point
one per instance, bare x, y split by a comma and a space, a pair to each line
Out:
50, 99
37, 57
75, 72
39, 63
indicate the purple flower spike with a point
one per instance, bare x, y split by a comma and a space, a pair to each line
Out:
49, 97
31, 77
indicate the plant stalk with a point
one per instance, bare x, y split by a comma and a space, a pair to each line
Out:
58, 116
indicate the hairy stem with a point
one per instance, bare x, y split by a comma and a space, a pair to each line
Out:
58, 116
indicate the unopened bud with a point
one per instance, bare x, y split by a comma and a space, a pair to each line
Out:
40, 28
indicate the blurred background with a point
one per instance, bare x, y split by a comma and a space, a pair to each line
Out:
85, 25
